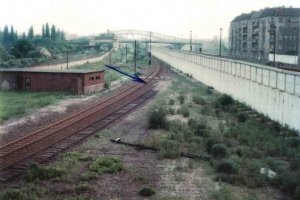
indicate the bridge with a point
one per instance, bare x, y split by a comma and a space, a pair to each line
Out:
129, 36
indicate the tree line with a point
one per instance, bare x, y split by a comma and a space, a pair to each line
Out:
8, 37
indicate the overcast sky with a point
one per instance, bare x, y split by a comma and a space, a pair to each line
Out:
173, 17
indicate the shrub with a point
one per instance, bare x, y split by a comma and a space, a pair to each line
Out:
225, 100
88, 176
185, 111
147, 191
106, 85
171, 101
242, 117
223, 194
157, 118
228, 167
169, 148
14, 194
205, 110
36, 172
219, 150
209, 90
181, 99
82, 187
199, 100
209, 142
106, 165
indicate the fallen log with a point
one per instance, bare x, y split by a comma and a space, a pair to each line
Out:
143, 147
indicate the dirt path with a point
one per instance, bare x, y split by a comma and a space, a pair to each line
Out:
71, 64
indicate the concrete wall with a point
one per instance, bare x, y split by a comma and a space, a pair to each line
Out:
273, 92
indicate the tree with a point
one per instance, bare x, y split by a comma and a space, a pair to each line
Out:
43, 31
53, 33
47, 31
5, 37
58, 34
62, 35
12, 36
22, 48
30, 33
23, 35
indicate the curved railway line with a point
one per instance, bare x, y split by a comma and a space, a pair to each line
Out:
45, 143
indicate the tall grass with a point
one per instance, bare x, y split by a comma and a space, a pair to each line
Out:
16, 104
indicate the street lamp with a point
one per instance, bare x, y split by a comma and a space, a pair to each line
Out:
220, 42
191, 33
273, 32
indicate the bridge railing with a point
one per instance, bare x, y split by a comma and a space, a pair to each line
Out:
283, 80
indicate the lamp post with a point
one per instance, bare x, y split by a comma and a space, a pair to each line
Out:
150, 49
191, 33
220, 42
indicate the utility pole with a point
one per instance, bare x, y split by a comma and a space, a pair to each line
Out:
220, 42
274, 40
110, 56
134, 56
67, 59
126, 54
191, 48
150, 50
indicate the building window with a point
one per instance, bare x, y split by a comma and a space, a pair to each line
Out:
97, 77
91, 78
27, 83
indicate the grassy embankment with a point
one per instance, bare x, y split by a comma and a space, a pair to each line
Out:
191, 117
16, 104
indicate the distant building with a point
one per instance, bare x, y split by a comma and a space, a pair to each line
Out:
75, 81
252, 36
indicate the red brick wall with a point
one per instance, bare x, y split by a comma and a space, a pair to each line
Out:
73, 82
87, 81
51, 81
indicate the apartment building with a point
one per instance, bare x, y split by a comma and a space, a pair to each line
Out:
254, 36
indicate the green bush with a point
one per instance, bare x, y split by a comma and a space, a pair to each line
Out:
181, 99
171, 101
88, 176
106, 165
225, 100
219, 150
185, 111
169, 148
14, 194
147, 191
82, 187
209, 90
37, 172
228, 167
199, 100
209, 142
242, 117
157, 118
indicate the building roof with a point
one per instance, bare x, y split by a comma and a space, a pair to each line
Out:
64, 71
268, 12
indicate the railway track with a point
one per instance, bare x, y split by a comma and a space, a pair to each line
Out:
45, 143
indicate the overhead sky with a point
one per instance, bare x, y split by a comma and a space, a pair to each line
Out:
173, 17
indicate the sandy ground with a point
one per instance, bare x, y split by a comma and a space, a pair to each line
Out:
71, 64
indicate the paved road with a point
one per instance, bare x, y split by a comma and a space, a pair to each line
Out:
72, 63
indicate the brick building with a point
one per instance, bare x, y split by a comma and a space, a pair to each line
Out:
253, 35
75, 81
